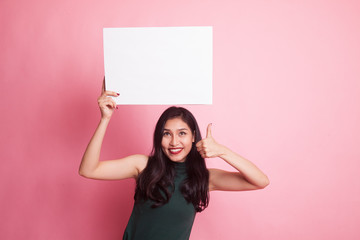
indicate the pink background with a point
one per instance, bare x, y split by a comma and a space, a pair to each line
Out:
286, 96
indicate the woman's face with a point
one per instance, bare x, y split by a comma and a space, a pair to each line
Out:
177, 140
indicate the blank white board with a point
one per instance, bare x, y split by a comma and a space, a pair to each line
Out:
159, 65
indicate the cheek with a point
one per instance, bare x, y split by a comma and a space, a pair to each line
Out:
163, 143
188, 143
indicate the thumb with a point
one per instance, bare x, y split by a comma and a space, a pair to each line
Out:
103, 86
208, 131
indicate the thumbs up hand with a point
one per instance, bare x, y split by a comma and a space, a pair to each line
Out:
208, 147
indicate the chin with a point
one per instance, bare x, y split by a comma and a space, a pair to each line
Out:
174, 158
177, 159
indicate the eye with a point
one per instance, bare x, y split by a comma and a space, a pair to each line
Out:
166, 134
182, 133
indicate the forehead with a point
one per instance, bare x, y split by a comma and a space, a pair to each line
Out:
176, 123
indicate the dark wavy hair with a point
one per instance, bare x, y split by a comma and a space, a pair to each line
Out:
155, 182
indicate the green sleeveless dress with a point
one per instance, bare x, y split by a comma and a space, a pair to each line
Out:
172, 221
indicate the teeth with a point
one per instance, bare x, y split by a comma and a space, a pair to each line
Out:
175, 150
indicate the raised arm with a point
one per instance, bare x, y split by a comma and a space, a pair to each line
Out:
248, 176
91, 167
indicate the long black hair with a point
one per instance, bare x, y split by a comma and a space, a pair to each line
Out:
157, 178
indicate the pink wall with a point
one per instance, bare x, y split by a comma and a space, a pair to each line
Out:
286, 95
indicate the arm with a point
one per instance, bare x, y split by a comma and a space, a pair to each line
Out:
91, 167
248, 177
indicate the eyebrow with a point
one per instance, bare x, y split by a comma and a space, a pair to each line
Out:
165, 129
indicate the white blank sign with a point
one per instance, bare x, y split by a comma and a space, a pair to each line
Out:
159, 65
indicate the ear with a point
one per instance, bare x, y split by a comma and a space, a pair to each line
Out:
193, 139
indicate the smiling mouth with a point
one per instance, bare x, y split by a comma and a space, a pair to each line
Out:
175, 150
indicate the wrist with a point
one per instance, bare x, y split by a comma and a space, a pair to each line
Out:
223, 151
105, 120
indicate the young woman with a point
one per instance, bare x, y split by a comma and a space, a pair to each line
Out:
173, 183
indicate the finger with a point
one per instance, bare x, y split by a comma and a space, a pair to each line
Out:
110, 94
104, 100
114, 103
103, 86
110, 106
108, 103
208, 131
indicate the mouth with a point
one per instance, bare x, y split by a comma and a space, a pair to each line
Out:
175, 151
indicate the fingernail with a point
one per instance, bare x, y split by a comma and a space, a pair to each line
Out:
117, 108
118, 94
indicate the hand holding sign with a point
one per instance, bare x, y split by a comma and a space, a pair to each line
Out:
106, 104
208, 147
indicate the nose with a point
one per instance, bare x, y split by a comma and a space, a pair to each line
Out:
174, 140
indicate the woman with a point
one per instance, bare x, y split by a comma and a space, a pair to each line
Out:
173, 183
